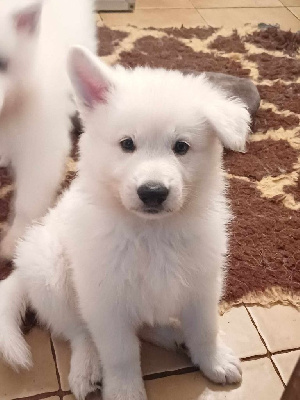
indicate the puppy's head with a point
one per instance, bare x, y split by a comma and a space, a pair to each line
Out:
19, 22
152, 136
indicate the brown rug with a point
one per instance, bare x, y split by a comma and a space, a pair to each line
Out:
264, 183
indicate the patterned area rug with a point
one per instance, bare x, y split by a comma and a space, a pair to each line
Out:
264, 183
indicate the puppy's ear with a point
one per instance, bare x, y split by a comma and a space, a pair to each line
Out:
27, 19
89, 76
230, 120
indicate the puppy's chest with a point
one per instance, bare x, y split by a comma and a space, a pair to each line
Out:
152, 273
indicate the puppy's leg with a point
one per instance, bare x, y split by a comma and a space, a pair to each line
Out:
85, 373
200, 325
119, 352
38, 174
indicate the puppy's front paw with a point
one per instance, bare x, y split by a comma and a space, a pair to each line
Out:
220, 364
84, 381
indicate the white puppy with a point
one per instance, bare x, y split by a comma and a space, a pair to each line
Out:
35, 103
140, 236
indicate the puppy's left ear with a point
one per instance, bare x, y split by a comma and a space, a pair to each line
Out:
230, 120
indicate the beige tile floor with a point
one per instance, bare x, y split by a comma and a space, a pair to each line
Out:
267, 340
190, 13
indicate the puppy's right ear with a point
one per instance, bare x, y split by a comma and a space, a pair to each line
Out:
230, 121
89, 76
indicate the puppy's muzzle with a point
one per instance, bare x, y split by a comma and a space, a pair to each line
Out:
153, 194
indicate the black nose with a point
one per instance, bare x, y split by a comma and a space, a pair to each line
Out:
153, 193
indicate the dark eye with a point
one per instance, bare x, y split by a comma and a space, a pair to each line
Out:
181, 148
127, 145
3, 64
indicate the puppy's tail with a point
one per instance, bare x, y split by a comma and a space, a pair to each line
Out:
13, 346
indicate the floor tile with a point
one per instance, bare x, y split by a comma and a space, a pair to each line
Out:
63, 354
235, 17
163, 4
236, 3
285, 362
295, 11
91, 396
155, 360
157, 18
39, 379
260, 382
240, 334
278, 325
290, 2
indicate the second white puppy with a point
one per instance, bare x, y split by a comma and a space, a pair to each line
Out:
141, 234
35, 104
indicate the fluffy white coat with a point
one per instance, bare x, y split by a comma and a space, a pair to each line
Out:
102, 264
35, 99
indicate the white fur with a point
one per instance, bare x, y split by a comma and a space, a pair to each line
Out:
99, 265
35, 99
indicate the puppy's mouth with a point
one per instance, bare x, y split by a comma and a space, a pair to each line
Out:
152, 212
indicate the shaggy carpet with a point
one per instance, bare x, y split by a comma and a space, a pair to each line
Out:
264, 183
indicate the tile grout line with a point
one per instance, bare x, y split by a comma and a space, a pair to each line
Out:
291, 12
198, 11
191, 2
39, 396
298, 18
45, 395
285, 351
188, 370
240, 8
56, 368
269, 354
165, 374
